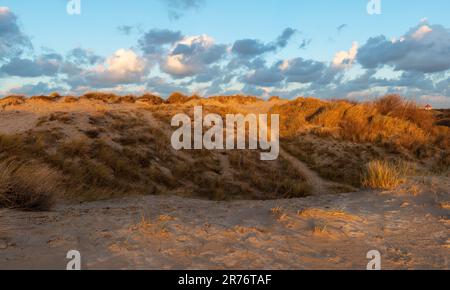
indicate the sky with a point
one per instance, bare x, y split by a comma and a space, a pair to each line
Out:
289, 48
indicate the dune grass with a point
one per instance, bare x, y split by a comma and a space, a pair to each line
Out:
28, 186
382, 174
120, 153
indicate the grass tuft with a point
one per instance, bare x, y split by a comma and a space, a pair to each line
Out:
381, 174
27, 186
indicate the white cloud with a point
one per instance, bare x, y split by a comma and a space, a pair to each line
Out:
424, 48
12, 39
421, 32
122, 63
123, 67
174, 65
345, 59
192, 55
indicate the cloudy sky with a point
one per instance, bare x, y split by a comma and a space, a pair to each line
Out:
322, 48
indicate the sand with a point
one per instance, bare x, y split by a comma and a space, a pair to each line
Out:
409, 227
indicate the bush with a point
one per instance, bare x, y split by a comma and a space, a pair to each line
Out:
381, 174
177, 98
150, 99
104, 97
27, 186
389, 104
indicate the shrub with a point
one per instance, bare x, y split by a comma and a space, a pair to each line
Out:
389, 104
381, 174
128, 99
177, 98
294, 115
274, 99
27, 186
104, 97
150, 99
70, 99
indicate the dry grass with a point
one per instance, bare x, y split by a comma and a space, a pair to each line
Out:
28, 186
179, 98
396, 106
12, 100
117, 152
238, 99
388, 120
276, 179
382, 174
150, 99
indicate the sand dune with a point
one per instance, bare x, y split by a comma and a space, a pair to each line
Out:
147, 206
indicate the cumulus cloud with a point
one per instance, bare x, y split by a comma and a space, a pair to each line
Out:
345, 59
416, 64
425, 48
12, 40
162, 87
154, 40
192, 55
266, 76
301, 70
81, 56
41, 88
123, 67
284, 38
250, 48
43, 65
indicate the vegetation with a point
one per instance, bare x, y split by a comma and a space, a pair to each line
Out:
382, 174
27, 186
116, 151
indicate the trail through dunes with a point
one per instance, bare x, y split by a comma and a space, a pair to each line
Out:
317, 183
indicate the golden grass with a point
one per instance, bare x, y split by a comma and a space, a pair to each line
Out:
120, 153
178, 98
150, 99
382, 174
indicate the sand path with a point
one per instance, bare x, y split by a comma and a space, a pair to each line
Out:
317, 183
166, 232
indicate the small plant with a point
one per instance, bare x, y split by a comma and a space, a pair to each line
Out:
380, 174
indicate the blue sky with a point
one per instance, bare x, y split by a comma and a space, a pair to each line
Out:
291, 47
